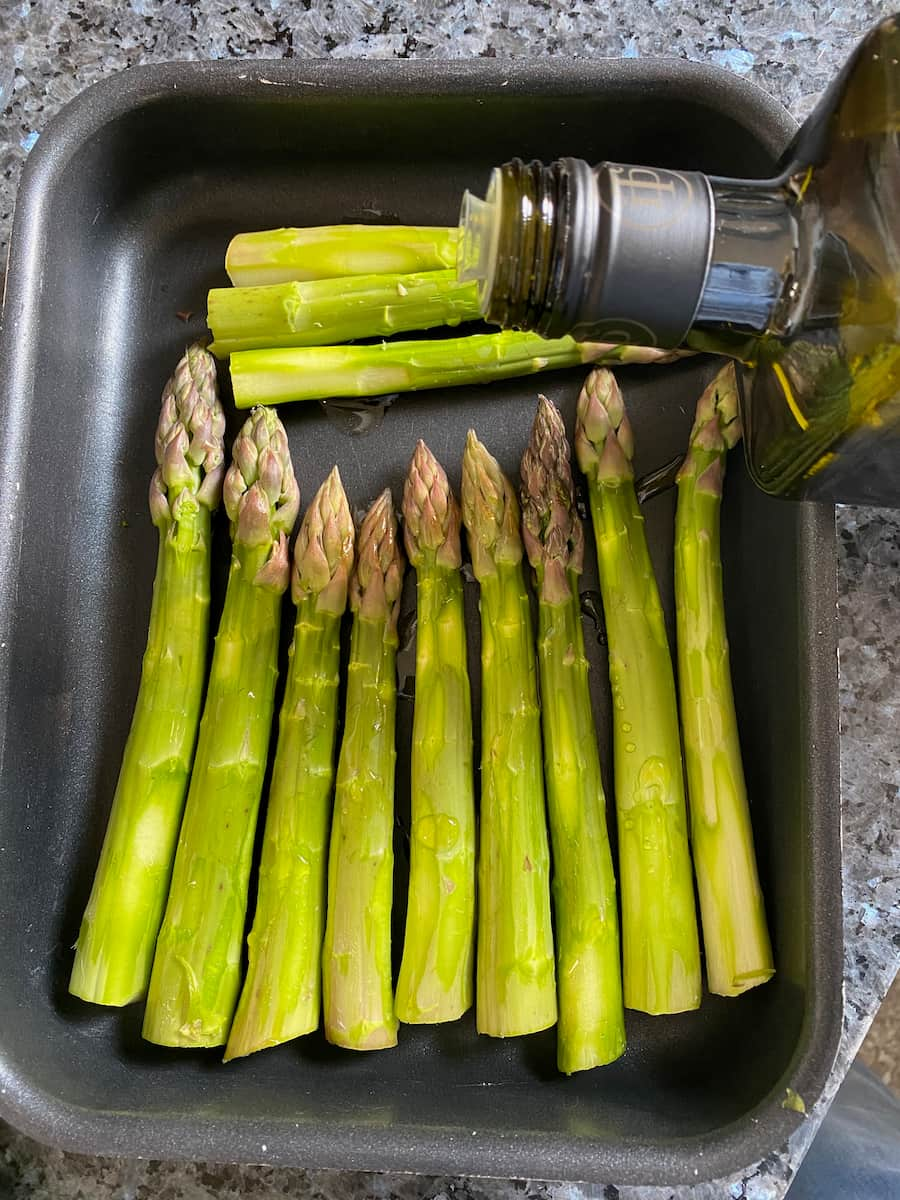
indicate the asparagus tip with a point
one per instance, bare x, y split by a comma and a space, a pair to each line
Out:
604, 443
190, 438
323, 554
490, 510
431, 517
261, 493
552, 531
716, 429
377, 580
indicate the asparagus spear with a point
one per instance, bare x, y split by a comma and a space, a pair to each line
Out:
515, 977
356, 959
591, 1015
322, 372
324, 311
281, 996
659, 928
118, 932
196, 971
435, 982
735, 936
327, 251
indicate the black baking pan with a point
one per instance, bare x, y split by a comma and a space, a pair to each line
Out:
125, 209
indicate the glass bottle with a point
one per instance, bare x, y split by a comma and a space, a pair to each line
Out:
797, 277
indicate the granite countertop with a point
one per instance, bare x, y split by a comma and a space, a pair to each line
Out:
50, 51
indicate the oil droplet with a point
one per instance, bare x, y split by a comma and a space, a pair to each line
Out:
630, 747
654, 483
592, 608
626, 727
437, 831
354, 416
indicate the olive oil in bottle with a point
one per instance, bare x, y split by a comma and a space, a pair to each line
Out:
797, 277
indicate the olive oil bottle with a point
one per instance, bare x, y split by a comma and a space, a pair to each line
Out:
797, 277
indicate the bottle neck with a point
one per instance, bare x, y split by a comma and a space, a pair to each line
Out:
633, 254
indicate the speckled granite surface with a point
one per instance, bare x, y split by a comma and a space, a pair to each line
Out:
51, 50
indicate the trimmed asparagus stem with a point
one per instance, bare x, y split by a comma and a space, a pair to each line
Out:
196, 970
115, 945
515, 977
659, 928
591, 1014
735, 935
323, 372
435, 982
324, 311
328, 251
356, 958
281, 995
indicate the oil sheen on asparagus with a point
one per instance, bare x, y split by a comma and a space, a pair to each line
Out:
435, 982
356, 958
735, 935
277, 376
515, 974
589, 977
196, 970
281, 994
661, 956
115, 945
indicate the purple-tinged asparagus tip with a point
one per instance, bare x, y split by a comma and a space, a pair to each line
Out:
261, 494
377, 580
431, 517
717, 428
604, 443
323, 554
189, 442
551, 528
490, 510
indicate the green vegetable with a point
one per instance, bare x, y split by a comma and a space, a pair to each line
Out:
325, 311
281, 996
328, 251
118, 933
735, 937
516, 984
322, 372
591, 1014
196, 971
659, 927
435, 982
356, 959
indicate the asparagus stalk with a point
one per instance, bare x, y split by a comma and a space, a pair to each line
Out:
735, 936
435, 982
659, 928
591, 1015
324, 311
196, 971
281, 995
515, 977
356, 958
323, 372
328, 251
114, 951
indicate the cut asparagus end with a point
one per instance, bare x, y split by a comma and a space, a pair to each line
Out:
328, 251
552, 531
